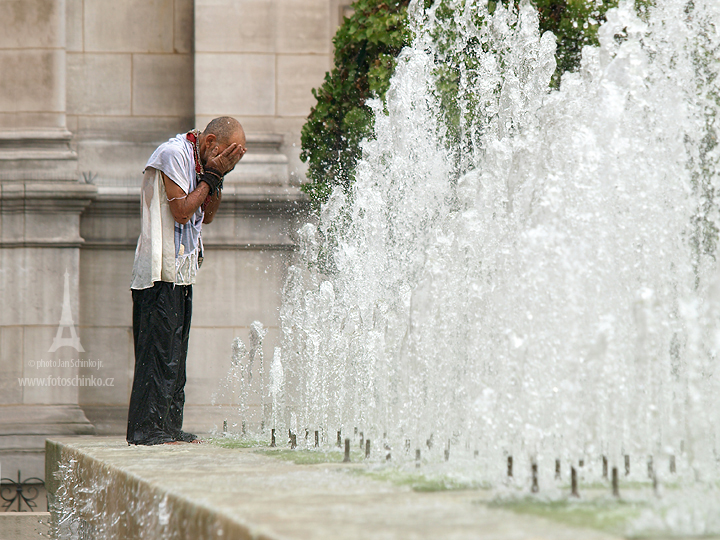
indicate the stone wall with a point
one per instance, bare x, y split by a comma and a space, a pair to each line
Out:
89, 89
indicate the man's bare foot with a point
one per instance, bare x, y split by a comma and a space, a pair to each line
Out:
172, 442
197, 441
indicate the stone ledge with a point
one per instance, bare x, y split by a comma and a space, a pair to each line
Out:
57, 196
243, 209
107, 419
42, 214
24, 526
37, 155
24, 428
256, 196
129, 245
36, 144
202, 491
114, 159
43, 420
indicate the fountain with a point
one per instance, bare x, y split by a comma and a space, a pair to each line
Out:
527, 277
520, 291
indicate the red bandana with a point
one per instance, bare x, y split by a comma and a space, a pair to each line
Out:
192, 136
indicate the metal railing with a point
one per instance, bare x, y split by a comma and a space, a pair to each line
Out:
21, 493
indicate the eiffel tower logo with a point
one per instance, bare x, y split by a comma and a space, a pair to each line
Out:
66, 321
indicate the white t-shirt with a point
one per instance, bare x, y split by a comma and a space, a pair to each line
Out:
167, 250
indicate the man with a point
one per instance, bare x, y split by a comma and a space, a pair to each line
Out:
181, 191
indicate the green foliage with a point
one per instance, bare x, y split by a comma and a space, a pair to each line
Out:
365, 49
366, 46
575, 24
706, 162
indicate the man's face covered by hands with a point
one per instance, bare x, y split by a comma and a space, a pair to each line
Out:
223, 156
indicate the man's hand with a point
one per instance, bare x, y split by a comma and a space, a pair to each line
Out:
225, 161
212, 178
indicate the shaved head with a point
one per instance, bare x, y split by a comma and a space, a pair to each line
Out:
225, 128
220, 134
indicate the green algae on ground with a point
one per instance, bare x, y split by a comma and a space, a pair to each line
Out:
298, 456
421, 482
236, 442
309, 457
607, 515
595, 510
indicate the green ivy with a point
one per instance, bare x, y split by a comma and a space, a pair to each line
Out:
366, 45
575, 24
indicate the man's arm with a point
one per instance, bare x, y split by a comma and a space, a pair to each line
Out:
212, 206
218, 164
184, 206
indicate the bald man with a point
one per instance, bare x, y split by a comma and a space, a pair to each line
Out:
181, 191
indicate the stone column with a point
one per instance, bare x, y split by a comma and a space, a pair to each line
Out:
41, 200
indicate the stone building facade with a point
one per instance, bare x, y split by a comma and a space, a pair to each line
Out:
88, 89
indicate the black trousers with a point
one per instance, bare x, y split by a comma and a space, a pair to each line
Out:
161, 328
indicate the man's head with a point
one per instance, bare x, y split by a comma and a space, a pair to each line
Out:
219, 134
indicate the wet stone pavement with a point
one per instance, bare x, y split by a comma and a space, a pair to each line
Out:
106, 488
